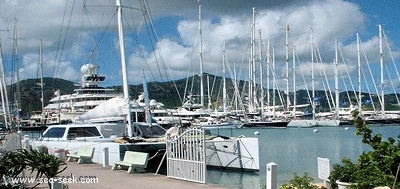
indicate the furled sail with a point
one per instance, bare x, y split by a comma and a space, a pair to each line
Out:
113, 108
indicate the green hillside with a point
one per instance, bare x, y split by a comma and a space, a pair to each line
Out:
167, 93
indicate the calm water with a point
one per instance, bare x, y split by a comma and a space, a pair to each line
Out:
295, 150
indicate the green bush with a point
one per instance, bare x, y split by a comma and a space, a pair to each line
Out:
297, 182
344, 172
13, 163
378, 167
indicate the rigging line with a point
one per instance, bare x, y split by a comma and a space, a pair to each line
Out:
277, 89
304, 80
371, 75
348, 76
151, 29
391, 84
59, 41
346, 89
373, 80
38, 68
331, 100
235, 85
343, 80
108, 26
391, 55
140, 50
368, 89
66, 34
230, 73
212, 86
218, 91
185, 93
135, 32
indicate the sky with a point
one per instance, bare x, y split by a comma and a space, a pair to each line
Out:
166, 47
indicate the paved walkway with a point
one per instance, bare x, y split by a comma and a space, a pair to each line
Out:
120, 178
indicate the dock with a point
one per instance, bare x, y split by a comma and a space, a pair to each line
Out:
98, 177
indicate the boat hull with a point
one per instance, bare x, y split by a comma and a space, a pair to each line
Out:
233, 153
314, 123
277, 124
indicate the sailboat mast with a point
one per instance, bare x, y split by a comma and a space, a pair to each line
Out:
123, 67
294, 81
287, 68
251, 66
268, 73
223, 78
3, 92
336, 80
236, 90
381, 62
201, 57
312, 77
18, 92
359, 74
41, 73
261, 77
273, 82
253, 62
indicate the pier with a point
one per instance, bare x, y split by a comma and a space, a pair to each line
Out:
98, 177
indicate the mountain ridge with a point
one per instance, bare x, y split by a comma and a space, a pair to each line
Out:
170, 93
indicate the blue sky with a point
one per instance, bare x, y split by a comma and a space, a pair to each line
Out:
89, 35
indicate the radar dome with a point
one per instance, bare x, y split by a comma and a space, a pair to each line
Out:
89, 69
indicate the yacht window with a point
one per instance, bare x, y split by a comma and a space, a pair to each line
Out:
84, 131
147, 131
56, 132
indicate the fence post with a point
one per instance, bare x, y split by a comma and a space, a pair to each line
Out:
271, 175
105, 157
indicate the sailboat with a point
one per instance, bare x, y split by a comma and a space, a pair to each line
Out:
258, 114
131, 134
320, 121
223, 152
3, 92
382, 116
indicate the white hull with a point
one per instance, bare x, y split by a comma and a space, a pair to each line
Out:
234, 153
226, 125
314, 123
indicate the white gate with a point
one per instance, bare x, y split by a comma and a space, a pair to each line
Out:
186, 159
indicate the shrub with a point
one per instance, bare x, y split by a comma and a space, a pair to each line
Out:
13, 163
378, 167
344, 172
297, 182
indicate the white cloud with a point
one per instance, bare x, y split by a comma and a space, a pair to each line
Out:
89, 30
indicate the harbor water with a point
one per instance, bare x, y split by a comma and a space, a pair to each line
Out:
295, 150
